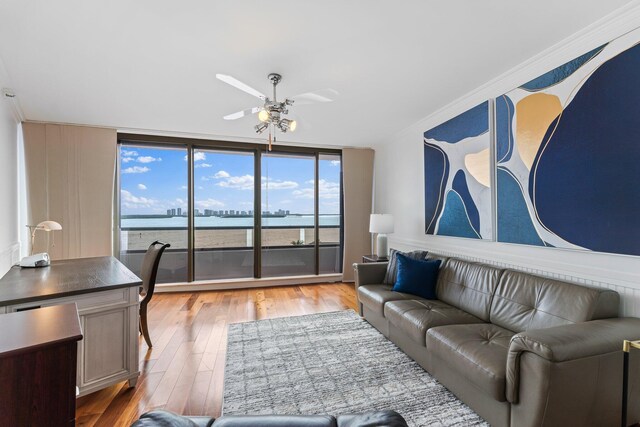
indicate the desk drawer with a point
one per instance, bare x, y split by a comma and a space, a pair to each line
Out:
85, 302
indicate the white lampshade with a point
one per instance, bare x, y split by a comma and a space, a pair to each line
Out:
49, 226
381, 223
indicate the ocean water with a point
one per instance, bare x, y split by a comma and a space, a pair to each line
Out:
214, 221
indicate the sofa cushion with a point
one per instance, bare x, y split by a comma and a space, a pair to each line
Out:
417, 277
275, 421
372, 419
523, 302
468, 286
375, 296
161, 418
392, 265
478, 352
415, 317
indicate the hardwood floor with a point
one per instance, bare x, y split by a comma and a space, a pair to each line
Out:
184, 370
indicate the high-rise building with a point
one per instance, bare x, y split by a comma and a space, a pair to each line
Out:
168, 211
173, 212
196, 212
179, 211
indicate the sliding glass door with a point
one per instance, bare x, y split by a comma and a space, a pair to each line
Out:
288, 214
329, 213
229, 210
153, 206
223, 214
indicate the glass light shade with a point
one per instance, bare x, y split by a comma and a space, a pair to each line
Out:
49, 226
263, 115
293, 125
381, 223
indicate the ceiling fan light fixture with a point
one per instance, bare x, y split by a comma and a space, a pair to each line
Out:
261, 127
264, 115
287, 125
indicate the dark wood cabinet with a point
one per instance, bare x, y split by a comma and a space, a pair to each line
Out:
38, 357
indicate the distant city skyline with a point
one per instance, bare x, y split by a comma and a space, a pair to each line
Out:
213, 212
154, 180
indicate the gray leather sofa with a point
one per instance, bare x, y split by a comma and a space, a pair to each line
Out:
520, 350
160, 418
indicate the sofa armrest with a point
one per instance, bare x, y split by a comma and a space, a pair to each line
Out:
568, 342
371, 273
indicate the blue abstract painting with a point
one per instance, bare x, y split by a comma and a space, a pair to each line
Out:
568, 154
457, 176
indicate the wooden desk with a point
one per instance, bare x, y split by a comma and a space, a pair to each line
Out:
106, 294
38, 350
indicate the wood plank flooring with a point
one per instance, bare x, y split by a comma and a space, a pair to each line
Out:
184, 370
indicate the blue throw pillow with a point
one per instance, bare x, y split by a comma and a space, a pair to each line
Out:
417, 277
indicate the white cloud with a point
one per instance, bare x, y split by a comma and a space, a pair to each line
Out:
327, 190
127, 159
136, 169
184, 187
209, 203
335, 162
149, 159
278, 185
142, 187
203, 165
304, 193
129, 153
244, 182
132, 202
197, 156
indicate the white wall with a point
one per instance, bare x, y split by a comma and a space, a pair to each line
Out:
9, 246
399, 181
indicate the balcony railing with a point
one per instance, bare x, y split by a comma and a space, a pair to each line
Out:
227, 252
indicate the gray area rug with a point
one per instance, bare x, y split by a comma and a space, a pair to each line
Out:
331, 363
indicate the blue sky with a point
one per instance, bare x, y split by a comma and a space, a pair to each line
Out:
155, 179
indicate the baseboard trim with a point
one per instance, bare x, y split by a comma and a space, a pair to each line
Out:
222, 285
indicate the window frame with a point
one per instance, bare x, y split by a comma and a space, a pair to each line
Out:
192, 144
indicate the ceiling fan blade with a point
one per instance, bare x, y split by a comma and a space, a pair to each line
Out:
241, 114
318, 96
239, 85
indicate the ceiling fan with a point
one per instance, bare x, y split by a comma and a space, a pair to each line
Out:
272, 113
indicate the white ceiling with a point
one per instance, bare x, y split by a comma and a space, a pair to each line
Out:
151, 64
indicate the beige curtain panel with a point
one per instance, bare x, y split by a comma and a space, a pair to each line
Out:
69, 173
357, 176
